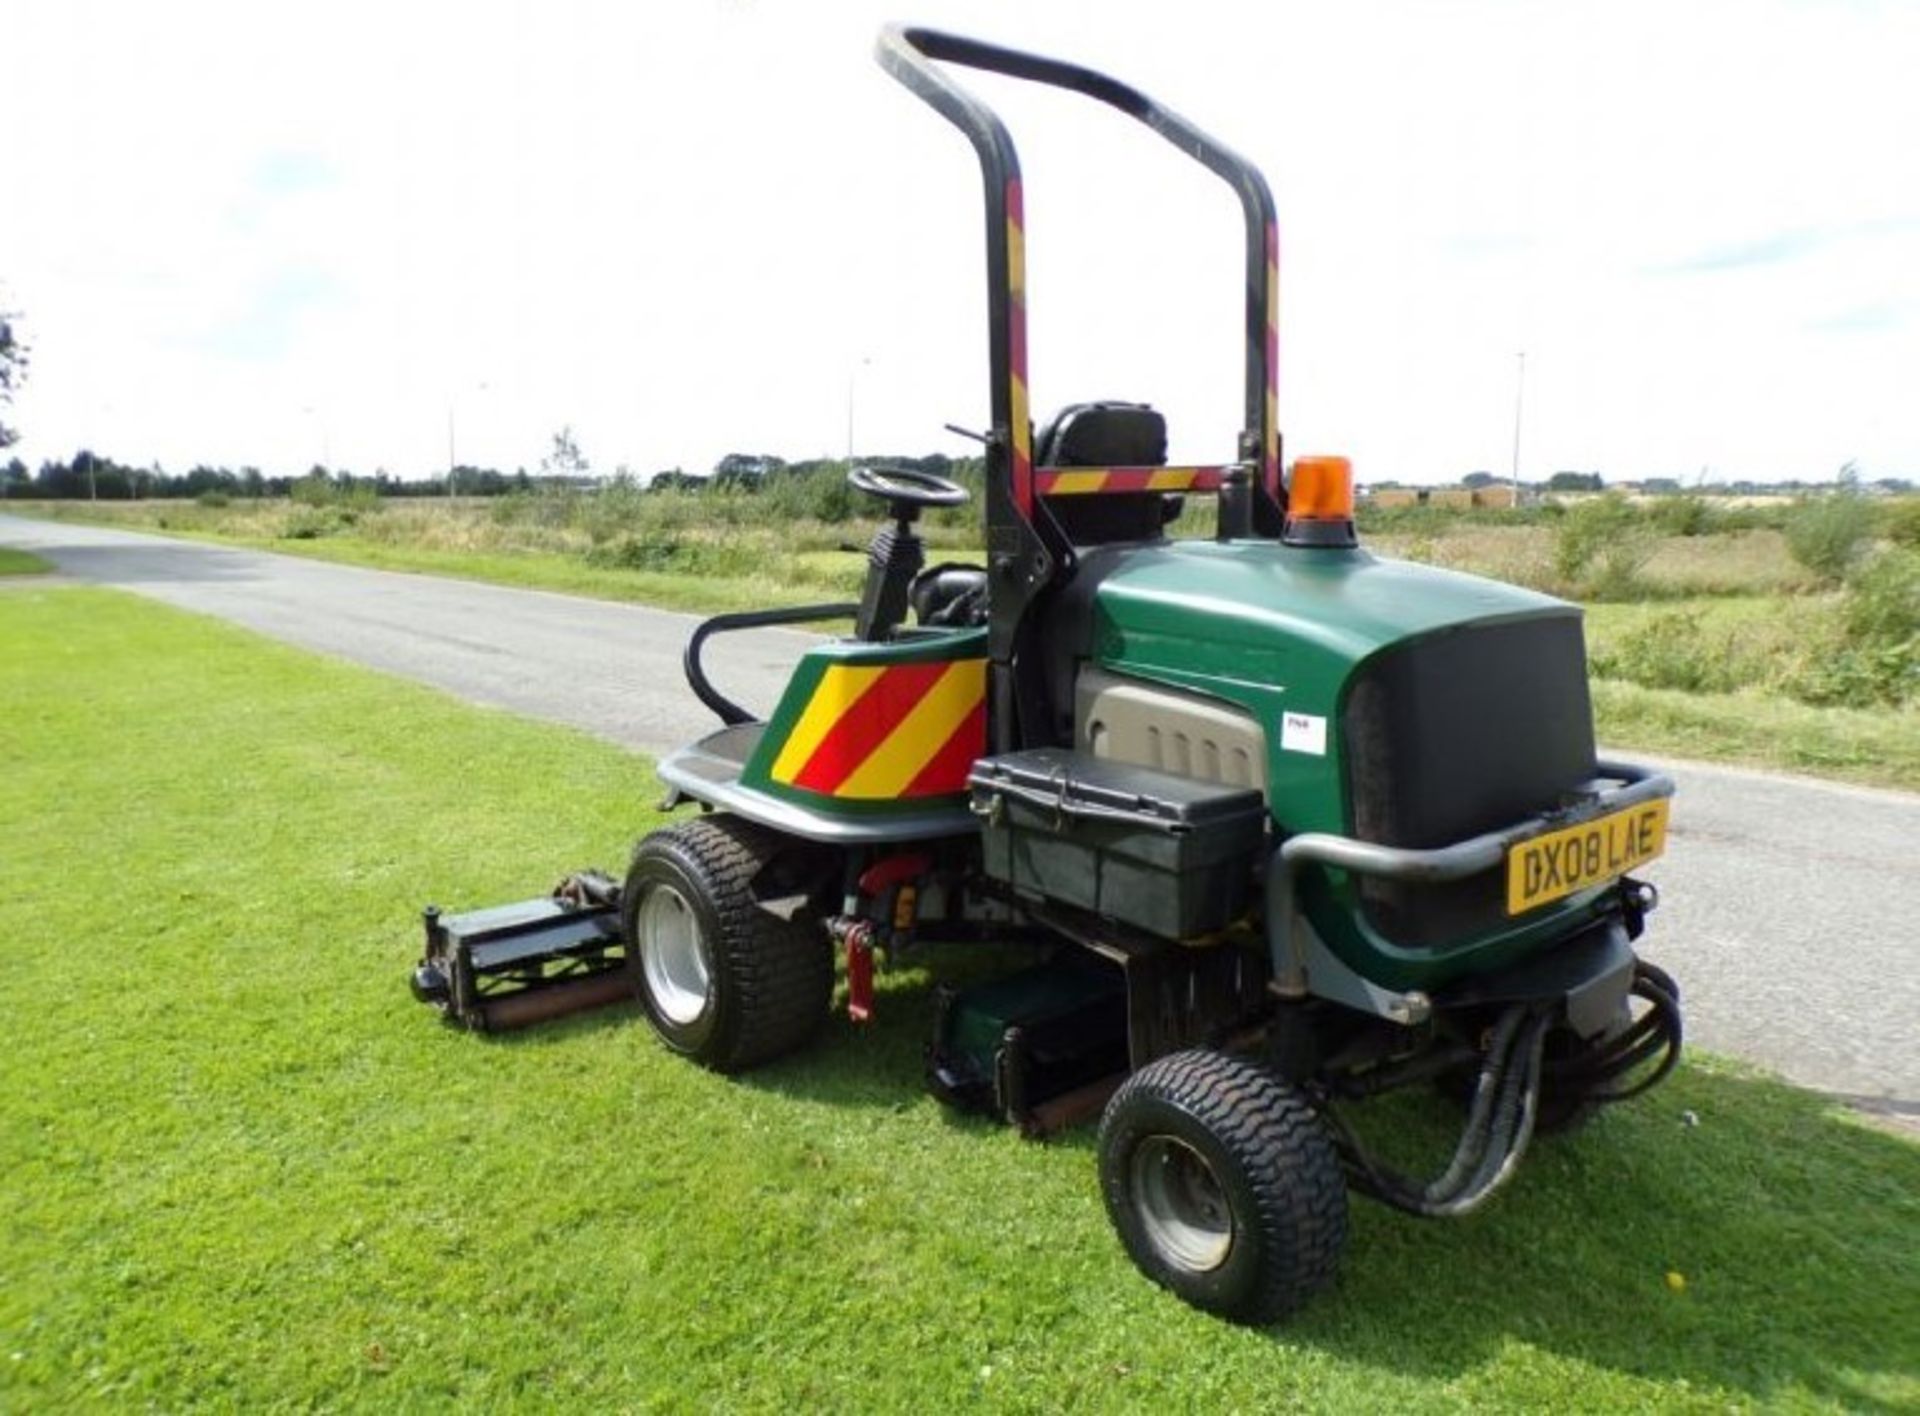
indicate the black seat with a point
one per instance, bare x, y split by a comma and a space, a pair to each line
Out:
1107, 434
951, 593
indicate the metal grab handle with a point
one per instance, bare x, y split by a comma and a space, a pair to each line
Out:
1431, 867
1058, 803
729, 712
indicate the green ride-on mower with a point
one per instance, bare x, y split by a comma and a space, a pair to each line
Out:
1283, 825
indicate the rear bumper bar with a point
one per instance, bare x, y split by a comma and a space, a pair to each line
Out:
1296, 950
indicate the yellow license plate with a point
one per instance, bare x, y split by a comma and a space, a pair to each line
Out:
1550, 867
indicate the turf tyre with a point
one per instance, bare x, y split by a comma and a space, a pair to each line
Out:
722, 981
1223, 1185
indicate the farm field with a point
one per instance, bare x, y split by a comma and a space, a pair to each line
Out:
246, 1170
1716, 645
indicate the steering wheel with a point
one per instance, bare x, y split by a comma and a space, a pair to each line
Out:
905, 490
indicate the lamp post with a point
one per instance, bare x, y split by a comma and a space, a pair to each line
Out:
853, 378
1519, 393
453, 460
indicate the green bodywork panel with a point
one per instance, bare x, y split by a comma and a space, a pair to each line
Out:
1275, 629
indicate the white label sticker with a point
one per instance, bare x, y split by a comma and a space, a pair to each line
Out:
1303, 732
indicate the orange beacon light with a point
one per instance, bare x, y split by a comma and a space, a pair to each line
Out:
1320, 503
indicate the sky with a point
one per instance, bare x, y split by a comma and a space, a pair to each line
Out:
372, 235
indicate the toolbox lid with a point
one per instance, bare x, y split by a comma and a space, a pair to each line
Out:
1078, 785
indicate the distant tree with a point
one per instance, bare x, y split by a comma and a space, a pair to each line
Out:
314, 489
745, 469
15, 479
13, 370
1478, 479
1829, 534
566, 459
1575, 482
86, 470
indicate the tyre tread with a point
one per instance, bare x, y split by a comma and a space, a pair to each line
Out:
1273, 1134
779, 975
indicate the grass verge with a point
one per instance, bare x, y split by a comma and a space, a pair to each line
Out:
244, 1170
15, 562
1874, 749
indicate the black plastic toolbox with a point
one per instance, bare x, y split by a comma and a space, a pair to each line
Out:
1169, 855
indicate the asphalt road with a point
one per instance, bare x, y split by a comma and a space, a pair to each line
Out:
1791, 909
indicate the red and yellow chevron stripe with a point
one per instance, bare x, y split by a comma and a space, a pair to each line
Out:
1270, 429
1084, 481
882, 732
1021, 432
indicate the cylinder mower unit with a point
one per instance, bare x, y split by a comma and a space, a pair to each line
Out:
1272, 825
497, 969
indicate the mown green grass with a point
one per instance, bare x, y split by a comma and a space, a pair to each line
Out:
245, 1170
17, 562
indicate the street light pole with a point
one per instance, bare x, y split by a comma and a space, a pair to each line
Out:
1519, 393
853, 376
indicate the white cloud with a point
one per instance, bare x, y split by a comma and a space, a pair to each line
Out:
253, 234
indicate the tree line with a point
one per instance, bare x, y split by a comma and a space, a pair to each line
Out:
90, 476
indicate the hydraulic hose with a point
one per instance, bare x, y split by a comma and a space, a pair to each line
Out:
1498, 1129
1506, 1099
1656, 1033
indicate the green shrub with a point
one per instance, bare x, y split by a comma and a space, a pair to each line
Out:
1900, 522
1674, 650
310, 523
1686, 515
646, 552
317, 489
1601, 546
1875, 659
818, 494
212, 499
1883, 599
314, 489
1860, 676
1828, 534
659, 550
1765, 517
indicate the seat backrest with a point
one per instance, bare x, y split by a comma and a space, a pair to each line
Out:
1108, 433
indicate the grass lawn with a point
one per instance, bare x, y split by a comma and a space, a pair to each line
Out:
15, 562
244, 1170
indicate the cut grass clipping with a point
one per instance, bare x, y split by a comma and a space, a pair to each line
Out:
244, 1169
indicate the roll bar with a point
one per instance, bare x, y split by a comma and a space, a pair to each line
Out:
1022, 554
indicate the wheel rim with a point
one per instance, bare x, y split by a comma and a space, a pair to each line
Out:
672, 958
1182, 1206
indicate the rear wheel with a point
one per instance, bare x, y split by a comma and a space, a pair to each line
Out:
1223, 1185
722, 981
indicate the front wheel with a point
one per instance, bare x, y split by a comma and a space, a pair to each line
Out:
722, 981
1223, 1185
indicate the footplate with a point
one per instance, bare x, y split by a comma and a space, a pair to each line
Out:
510, 966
